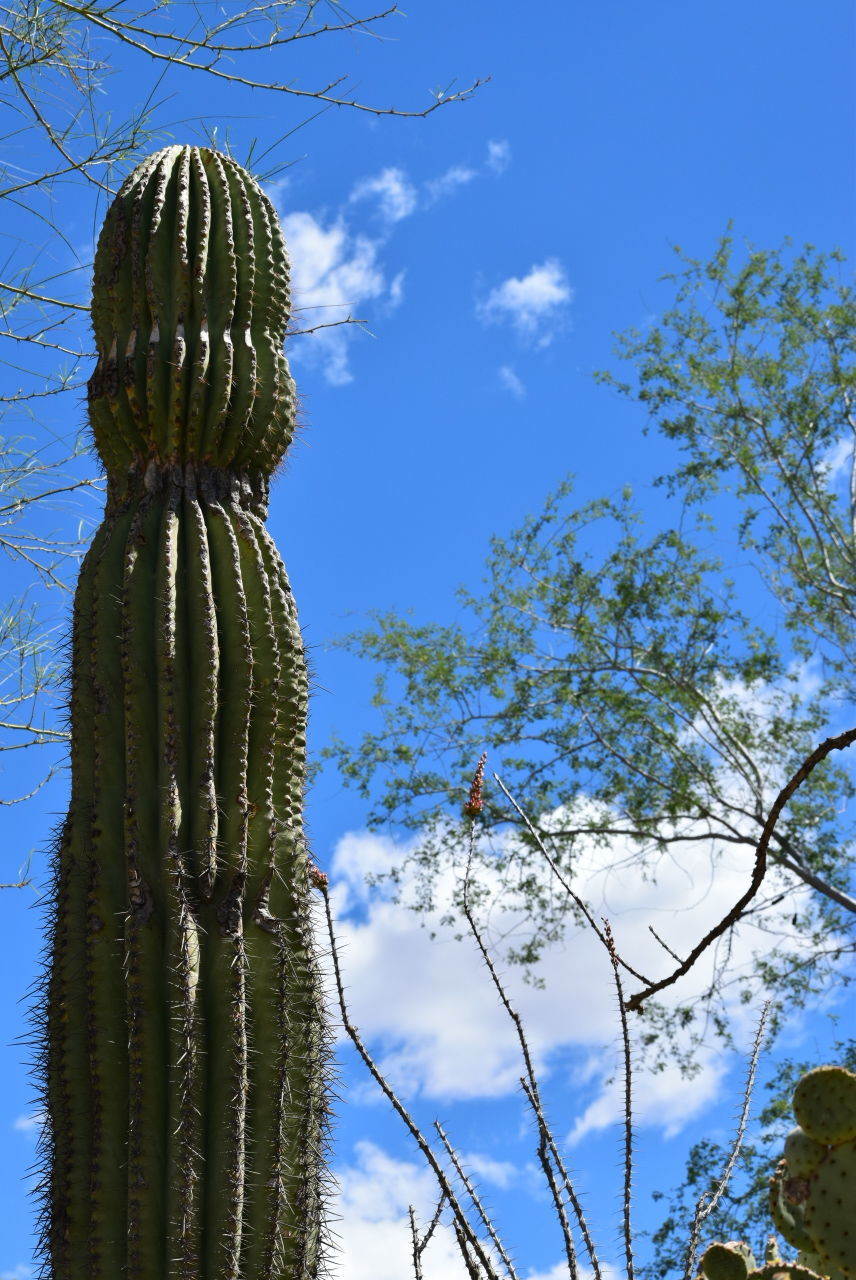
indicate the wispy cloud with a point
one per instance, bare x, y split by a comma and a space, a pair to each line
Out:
29, 1123
500, 1172
336, 270
498, 155
838, 460
459, 175
396, 289
333, 273
511, 381
535, 304
395, 194
376, 1191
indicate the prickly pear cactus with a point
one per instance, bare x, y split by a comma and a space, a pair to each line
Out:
812, 1193
185, 1044
735, 1261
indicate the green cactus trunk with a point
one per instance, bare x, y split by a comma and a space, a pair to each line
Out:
185, 1045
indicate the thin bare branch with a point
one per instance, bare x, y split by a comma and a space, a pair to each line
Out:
627, 1230
837, 743
463, 1229
708, 1201
419, 1246
530, 1088
471, 1192
559, 876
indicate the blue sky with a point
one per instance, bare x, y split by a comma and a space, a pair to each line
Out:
492, 250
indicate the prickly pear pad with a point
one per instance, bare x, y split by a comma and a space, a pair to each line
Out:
825, 1104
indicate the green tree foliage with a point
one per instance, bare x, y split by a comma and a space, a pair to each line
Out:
638, 686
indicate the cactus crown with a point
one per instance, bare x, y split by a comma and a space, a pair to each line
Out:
189, 308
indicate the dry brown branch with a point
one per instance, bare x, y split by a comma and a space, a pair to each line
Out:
121, 32
478, 1262
419, 1246
471, 1192
837, 743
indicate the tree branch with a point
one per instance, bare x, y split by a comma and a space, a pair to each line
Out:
838, 743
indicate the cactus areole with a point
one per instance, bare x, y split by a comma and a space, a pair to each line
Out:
184, 1040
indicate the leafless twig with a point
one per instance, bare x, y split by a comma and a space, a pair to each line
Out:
562, 880
547, 1147
419, 1246
462, 1226
708, 1201
627, 1230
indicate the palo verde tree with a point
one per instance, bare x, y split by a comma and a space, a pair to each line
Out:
644, 691
629, 693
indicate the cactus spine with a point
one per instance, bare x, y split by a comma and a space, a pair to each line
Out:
185, 1045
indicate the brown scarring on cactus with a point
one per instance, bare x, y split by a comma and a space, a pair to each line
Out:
185, 1047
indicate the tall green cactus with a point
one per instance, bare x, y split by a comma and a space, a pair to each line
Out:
185, 1042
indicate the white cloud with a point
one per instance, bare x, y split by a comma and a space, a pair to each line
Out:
396, 289
560, 1272
430, 1012
498, 155
838, 460
534, 304
456, 176
512, 382
395, 194
485, 1169
21, 1272
333, 272
29, 1123
376, 1192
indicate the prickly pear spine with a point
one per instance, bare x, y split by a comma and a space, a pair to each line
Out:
185, 1042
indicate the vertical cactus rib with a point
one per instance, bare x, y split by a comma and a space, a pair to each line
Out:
244, 385
67, 1066
161, 233
262, 934
147, 1006
305, 1050
199, 336
221, 300
184, 1043
182, 959
106, 1027
203, 669
227, 1052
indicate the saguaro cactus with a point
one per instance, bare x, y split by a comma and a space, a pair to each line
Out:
184, 1043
